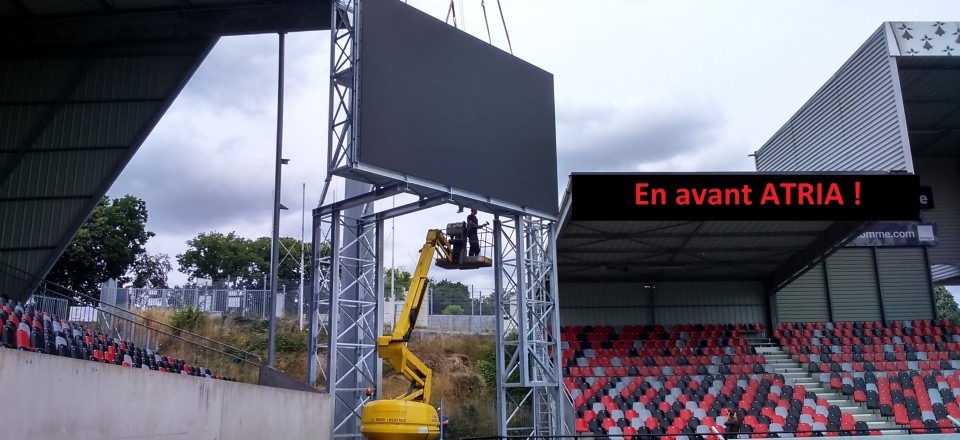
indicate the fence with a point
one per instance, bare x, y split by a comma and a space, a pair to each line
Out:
250, 303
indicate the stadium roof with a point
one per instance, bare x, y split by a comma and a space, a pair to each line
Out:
773, 252
82, 84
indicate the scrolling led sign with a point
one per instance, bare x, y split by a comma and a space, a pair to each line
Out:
753, 196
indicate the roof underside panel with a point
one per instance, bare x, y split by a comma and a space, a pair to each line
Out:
931, 103
76, 116
82, 83
25, 24
772, 252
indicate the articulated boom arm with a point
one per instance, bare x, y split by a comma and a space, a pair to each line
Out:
393, 348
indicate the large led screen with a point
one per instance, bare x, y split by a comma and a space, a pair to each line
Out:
438, 104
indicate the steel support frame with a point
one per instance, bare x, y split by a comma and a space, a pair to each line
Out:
349, 306
344, 84
530, 400
347, 251
346, 303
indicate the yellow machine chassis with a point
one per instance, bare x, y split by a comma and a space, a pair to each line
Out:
410, 416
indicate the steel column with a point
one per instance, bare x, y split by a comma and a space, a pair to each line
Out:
530, 398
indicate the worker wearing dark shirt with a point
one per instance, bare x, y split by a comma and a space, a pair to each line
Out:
472, 225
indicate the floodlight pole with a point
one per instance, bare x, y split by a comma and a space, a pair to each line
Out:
303, 216
275, 239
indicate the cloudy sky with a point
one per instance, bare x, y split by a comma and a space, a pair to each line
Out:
664, 85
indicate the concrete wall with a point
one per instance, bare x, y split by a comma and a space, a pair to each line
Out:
65, 398
454, 323
712, 302
459, 323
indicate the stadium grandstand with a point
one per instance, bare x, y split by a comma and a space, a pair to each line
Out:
803, 328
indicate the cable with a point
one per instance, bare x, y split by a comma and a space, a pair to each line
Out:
505, 31
451, 11
485, 21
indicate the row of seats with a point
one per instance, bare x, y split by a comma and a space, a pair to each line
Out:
739, 349
840, 367
868, 343
849, 325
659, 344
868, 333
901, 356
26, 329
571, 359
667, 370
660, 328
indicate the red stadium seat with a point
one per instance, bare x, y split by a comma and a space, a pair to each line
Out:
23, 338
581, 425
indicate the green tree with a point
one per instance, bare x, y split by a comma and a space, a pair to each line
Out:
399, 279
106, 246
148, 270
288, 268
946, 305
242, 261
222, 258
446, 293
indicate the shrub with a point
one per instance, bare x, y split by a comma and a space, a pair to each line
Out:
188, 319
452, 309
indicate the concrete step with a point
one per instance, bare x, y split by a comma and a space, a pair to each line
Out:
791, 366
785, 364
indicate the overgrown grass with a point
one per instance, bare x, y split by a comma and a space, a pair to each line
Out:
464, 378
246, 334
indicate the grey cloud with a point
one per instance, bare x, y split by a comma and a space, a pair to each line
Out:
611, 139
186, 189
239, 72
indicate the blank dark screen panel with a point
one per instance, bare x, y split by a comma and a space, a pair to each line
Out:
441, 105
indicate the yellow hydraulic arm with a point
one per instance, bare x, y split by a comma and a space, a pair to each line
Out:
393, 348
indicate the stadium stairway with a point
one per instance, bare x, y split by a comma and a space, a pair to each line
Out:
783, 364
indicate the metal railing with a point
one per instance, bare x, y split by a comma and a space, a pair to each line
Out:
49, 304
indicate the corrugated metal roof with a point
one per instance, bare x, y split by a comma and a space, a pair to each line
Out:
82, 83
945, 273
852, 123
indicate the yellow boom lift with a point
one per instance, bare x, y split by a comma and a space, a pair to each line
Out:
410, 416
